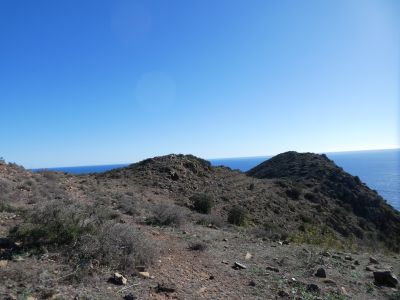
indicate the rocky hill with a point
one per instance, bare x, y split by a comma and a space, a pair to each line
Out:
336, 190
174, 227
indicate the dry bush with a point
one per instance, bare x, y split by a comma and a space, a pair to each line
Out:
207, 220
167, 215
119, 246
270, 231
84, 235
50, 175
127, 205
198, 246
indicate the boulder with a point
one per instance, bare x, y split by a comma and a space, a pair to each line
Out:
119, 279
386, 278
321, 273
373, 260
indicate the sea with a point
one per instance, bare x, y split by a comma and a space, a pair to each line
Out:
379, 169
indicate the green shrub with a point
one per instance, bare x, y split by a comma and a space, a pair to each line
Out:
318, 236
305, 218
55, 223
237, 216
293, 193
202, 203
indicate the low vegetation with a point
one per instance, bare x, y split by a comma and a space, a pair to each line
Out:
167, 215
85, 235
153, 223
202, 203
237, 216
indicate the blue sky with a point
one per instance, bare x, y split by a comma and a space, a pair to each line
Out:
98, 82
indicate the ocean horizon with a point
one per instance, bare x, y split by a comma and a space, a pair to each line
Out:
379, 169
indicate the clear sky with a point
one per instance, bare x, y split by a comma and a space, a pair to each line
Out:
97, 82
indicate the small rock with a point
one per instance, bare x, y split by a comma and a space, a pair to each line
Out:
370, 268
248, 256
356, 262
211, 277
344, 292
283, 294
18, 258
273, 269
252, 283
321, 273
166, 288
140, 268
385, 278
238, 266
224, 240
119, 279
130, 297
373, 260
330, 282
144, 275
3, 263
225, 262
313, 288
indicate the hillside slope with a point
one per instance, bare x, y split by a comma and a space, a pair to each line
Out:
64, 236
331, 186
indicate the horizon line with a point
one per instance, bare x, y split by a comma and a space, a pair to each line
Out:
210, 159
